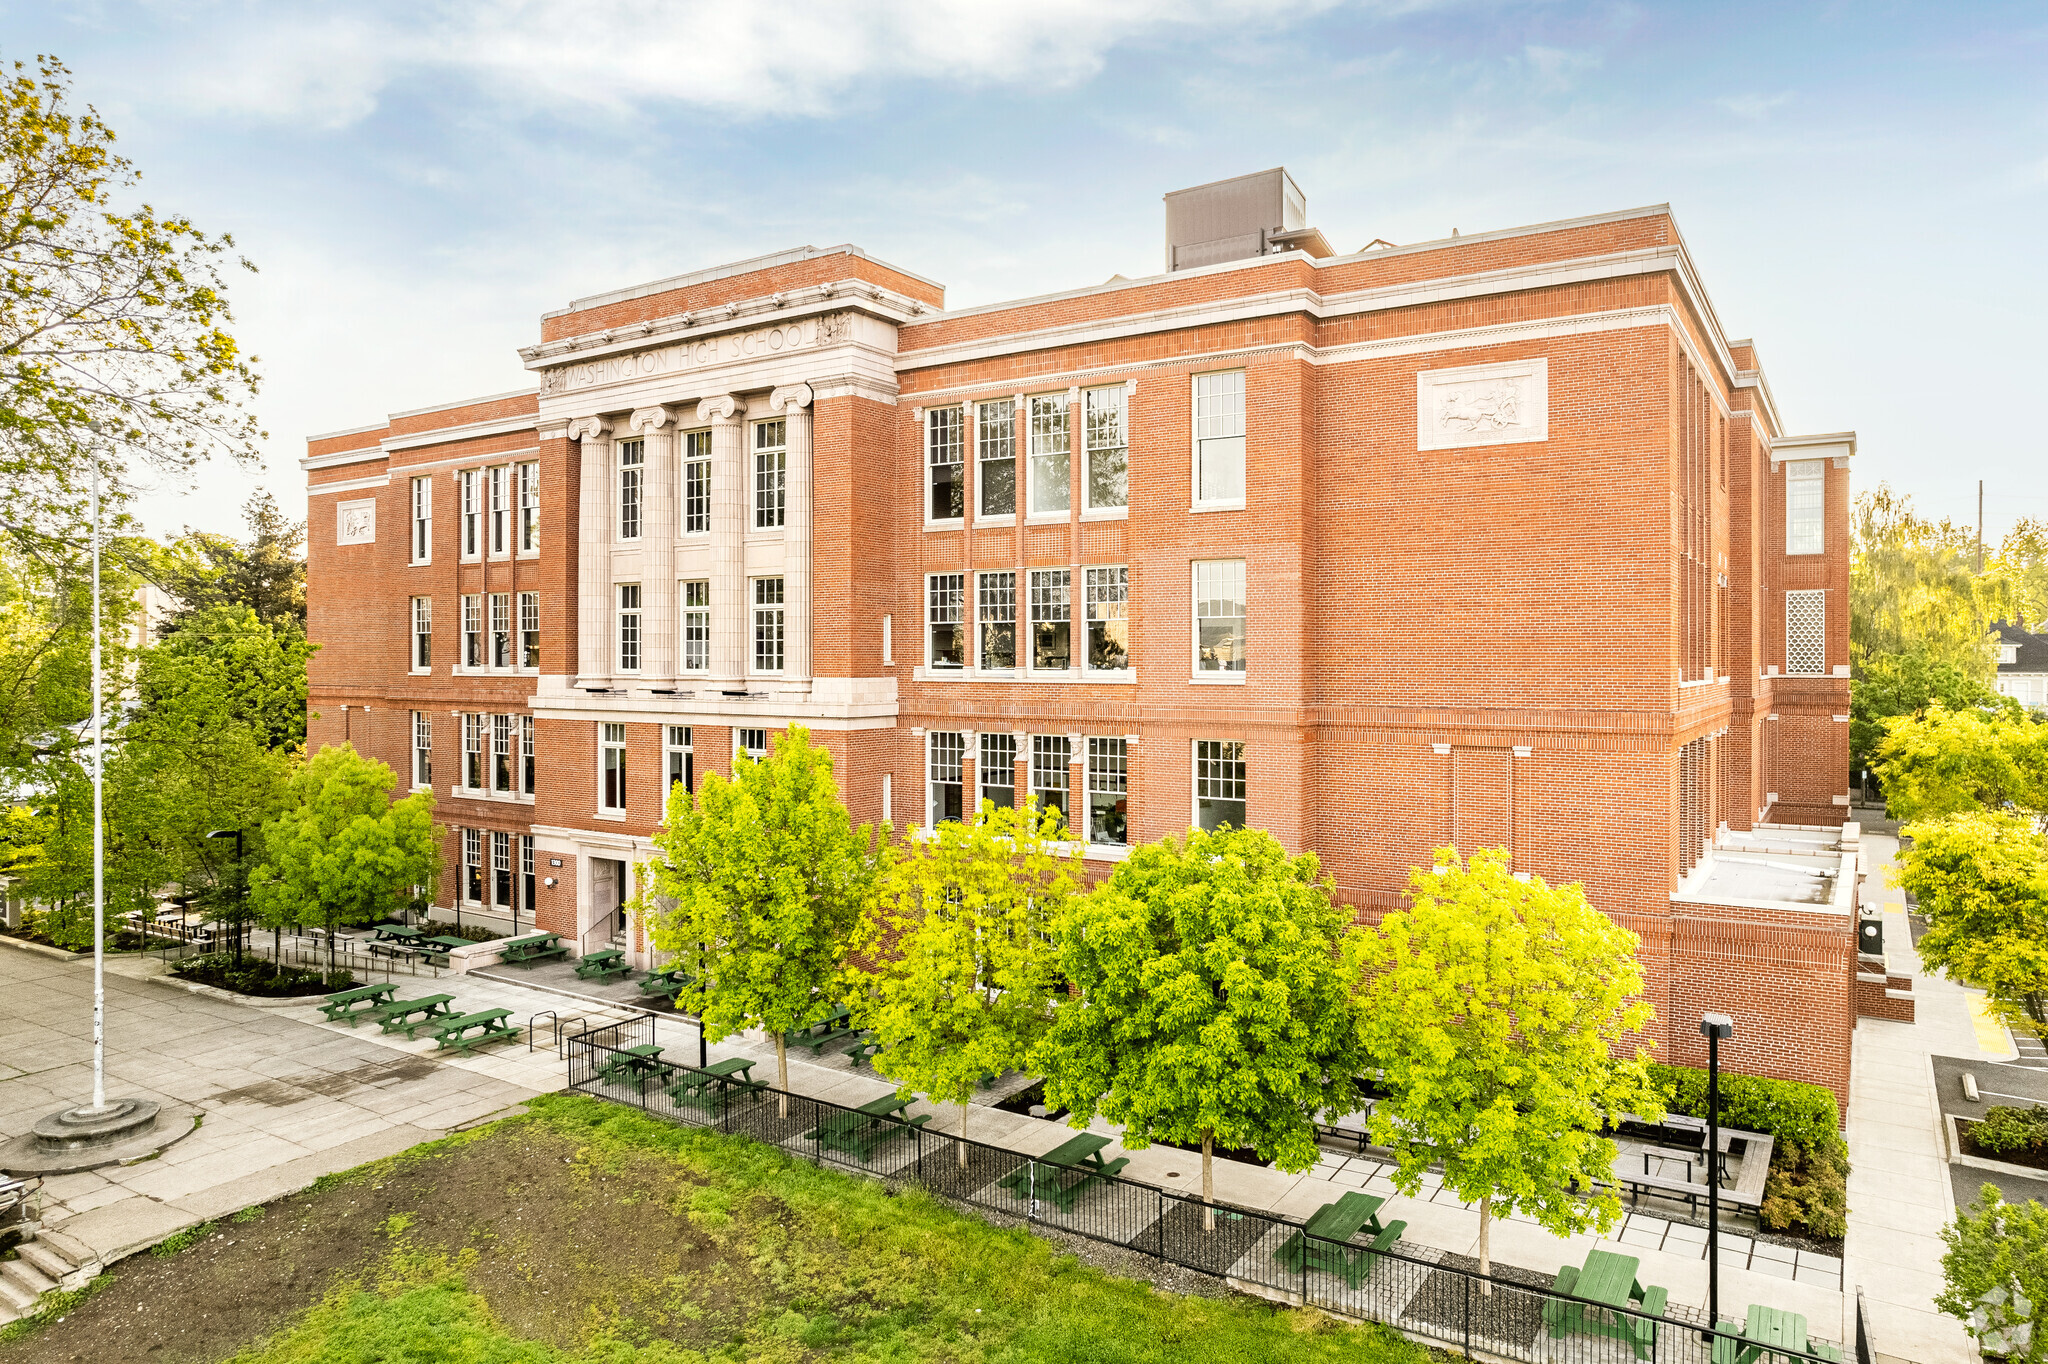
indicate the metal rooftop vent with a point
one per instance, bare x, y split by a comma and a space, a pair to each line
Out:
1253, 215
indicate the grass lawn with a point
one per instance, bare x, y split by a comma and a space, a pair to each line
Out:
590, 1232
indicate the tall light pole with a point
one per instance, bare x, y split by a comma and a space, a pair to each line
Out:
99, 826
1714, 1027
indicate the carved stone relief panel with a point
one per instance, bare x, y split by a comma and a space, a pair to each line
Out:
1499, 404
356, 522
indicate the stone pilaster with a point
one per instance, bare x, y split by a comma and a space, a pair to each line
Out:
727, 418
658, 611
793, 404
593, 552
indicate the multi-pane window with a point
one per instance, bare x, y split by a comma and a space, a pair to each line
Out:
1051, 455
1219, 437
696, 482
946, 752
946, 615
472, 514
1050, 754
1108, 791
473, 865
997, 770
1219, 616
1219, 783
501, 869
423, 634
995, 465
501, 508
472, 630
501, 629
945, 464
629, 627
529, 630
422, 748
768, 625
696, 626
526, 872
1052, 618
612, 767
472, 751
501, 753
1806, 642
422, 520
752, 742
632, 481
1109, 626
682, 757
1805, 506
996, 595
526, 755
771, 473
529, 507
1107, 476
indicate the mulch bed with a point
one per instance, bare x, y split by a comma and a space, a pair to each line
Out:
1966, 1136
1179, 1237
1504, 1315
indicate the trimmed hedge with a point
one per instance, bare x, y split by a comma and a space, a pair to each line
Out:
1786, 1109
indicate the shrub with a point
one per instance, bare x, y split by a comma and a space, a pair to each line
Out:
2012, 1129
1996, 1271
258, 978
1808, 1187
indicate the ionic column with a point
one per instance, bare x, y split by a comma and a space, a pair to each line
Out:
656, 426
727, 417
593, 552
793, 403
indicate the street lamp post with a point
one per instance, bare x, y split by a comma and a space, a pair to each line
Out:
241, 888
1714, 1027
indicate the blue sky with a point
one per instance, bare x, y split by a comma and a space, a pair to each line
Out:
1864, 187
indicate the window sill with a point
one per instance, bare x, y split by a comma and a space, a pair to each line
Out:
1217, 680
1201, 507
958, 523
615, 816
1118, 677
1061, 518
419, 563
1003, 522
1105, 852
527, 554
1106, 514
467, 670
766, 532
478, 793
419, 672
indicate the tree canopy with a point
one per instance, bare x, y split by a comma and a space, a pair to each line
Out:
264, 574
1948, 762
1995, 1274
1981, 878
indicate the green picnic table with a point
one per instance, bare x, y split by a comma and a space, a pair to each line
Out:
1771, 1333
611, 961
667, 982
1324, 1242
864, 1050
1609, 1280
690, 1087
343, 1005
394, 933
636, 1063
410, 1015
1064, 1172
436, 949
533, 947
832, 1029
868, 1128
487, 1025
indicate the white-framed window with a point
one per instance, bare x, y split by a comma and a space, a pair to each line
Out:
945, 755
472, 630
1219, 783
996, 611
422, 748
696, 626
629, 627
1806, 482
1806, 633
501, 629
472, 751
1052, 619
1219, 439
501, 869
526, 755
696, 482
751, 742
529, 507
422, 520
1220, 642
501, 509
771, 473
525, 874
472, 514
1051, 458
1109, 786
1109, 626
945, 450
632, 482
1050, 754
422, 634
997, 769
611, 743
529, 631
1106, 476
995, 463
945, 596
768, 624
503, 759
473, 866
681, 756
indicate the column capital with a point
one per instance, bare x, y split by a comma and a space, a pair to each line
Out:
552, 429
588, 428
789, 398
723, 408
649, 419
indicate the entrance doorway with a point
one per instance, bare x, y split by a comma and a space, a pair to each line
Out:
607, 904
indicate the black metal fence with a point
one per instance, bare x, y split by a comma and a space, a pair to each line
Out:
175, 942
1427, 1294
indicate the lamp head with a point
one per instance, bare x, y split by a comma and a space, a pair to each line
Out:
1717, 1025
224, 833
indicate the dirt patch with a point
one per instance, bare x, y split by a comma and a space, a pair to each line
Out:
330, 1084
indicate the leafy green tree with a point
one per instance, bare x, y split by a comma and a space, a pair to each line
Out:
1887, 685
1494, 1007
757, 888
1995, 1272
954, 964
1982, 881
265, 573
1210, 1001
1949, 762
342, 851
232, 663
1914, 588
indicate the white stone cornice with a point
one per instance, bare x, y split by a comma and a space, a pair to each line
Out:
588, 428
789, 398
552, 428
649, 419
723, 408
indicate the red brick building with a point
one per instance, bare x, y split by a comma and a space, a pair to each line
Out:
1494, 541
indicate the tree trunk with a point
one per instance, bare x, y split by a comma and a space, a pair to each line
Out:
963, 1134
1208, 1180
781, 1076
1485, 1245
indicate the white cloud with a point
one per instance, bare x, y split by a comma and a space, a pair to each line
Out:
1557, 69
1753, 107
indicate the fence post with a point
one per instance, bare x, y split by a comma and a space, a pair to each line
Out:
1468, 1314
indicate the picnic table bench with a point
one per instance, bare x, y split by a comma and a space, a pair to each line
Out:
470, 1031
393, 933
690, 1087
1065, 1172
410, 1015
343, 1005
868, 1128
1324, 1242
1348, 1128
435, 950
636, 1063
864, 1050
603, 964
535, 947
833, 1029
1772, 1334
1610, 1280
667, 982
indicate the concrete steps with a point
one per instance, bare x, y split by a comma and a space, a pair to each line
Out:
50, 1261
